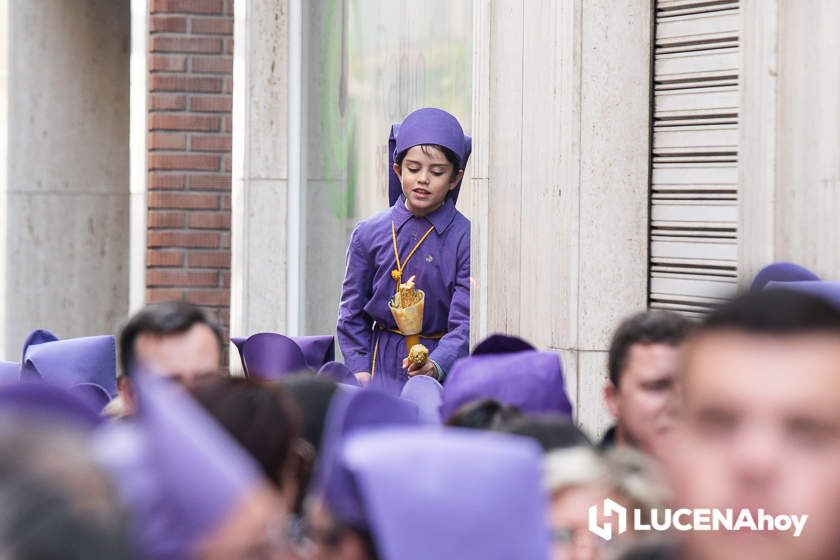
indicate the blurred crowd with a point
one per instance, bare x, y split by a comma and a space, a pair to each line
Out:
143, 446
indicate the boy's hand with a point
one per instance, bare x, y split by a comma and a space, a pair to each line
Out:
426, 369
363, 377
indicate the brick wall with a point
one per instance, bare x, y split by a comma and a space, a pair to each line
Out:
190, 74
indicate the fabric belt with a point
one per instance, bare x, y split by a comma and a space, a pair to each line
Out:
381, 328
434, 336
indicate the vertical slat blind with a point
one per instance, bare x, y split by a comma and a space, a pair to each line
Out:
694, 190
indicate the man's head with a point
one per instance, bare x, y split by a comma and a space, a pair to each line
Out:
54, 494
642, 365
265, 421
175, 339
759, 424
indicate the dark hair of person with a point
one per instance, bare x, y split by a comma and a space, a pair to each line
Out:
483, 414
451, 156
369, 545
57, 503
774, 312
260, 415
313, 396
549, 430
41, 521
161, 319
647, 327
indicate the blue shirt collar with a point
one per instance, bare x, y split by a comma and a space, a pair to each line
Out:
440, 218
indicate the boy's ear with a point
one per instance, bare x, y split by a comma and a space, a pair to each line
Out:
455, 180
397, 169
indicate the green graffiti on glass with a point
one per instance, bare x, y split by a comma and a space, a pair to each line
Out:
336, 129
404, 70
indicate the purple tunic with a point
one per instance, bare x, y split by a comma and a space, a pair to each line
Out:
442, 269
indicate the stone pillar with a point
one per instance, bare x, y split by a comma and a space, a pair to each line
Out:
259, 230
65, 192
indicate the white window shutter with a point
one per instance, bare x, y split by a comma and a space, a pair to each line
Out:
694, 179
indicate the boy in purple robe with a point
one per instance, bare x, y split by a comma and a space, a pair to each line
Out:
422, 235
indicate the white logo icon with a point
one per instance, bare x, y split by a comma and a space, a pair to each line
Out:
611, 509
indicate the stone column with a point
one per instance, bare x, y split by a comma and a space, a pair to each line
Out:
65, 193
259, 229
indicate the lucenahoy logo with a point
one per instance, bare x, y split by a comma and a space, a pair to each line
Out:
702, 519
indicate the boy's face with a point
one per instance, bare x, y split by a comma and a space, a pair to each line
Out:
427, 177
760, 428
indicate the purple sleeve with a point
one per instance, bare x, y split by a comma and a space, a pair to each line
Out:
354, 325
456, 343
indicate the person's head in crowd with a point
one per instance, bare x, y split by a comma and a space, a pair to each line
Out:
56, 503
422, 492
759, 425
483, 414
508, 370
550, 431
334, 525
312, 395
264, 419
193, 491
175, 339
580, 477
642, 366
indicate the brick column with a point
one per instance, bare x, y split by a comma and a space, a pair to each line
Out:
190, 83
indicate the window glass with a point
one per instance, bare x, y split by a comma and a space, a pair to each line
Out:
366, 64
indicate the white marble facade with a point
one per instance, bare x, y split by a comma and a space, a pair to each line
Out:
560, 101
559, 190
64, 192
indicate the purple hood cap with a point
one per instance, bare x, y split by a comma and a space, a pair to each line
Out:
272, 356
530, 380
350, 412
490, 483
426, 126
69, 362
317, 350
94, 395
501, 344
781, 272
338, 372
9, 372
47, 402
202, 472
38, 336
426, 393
